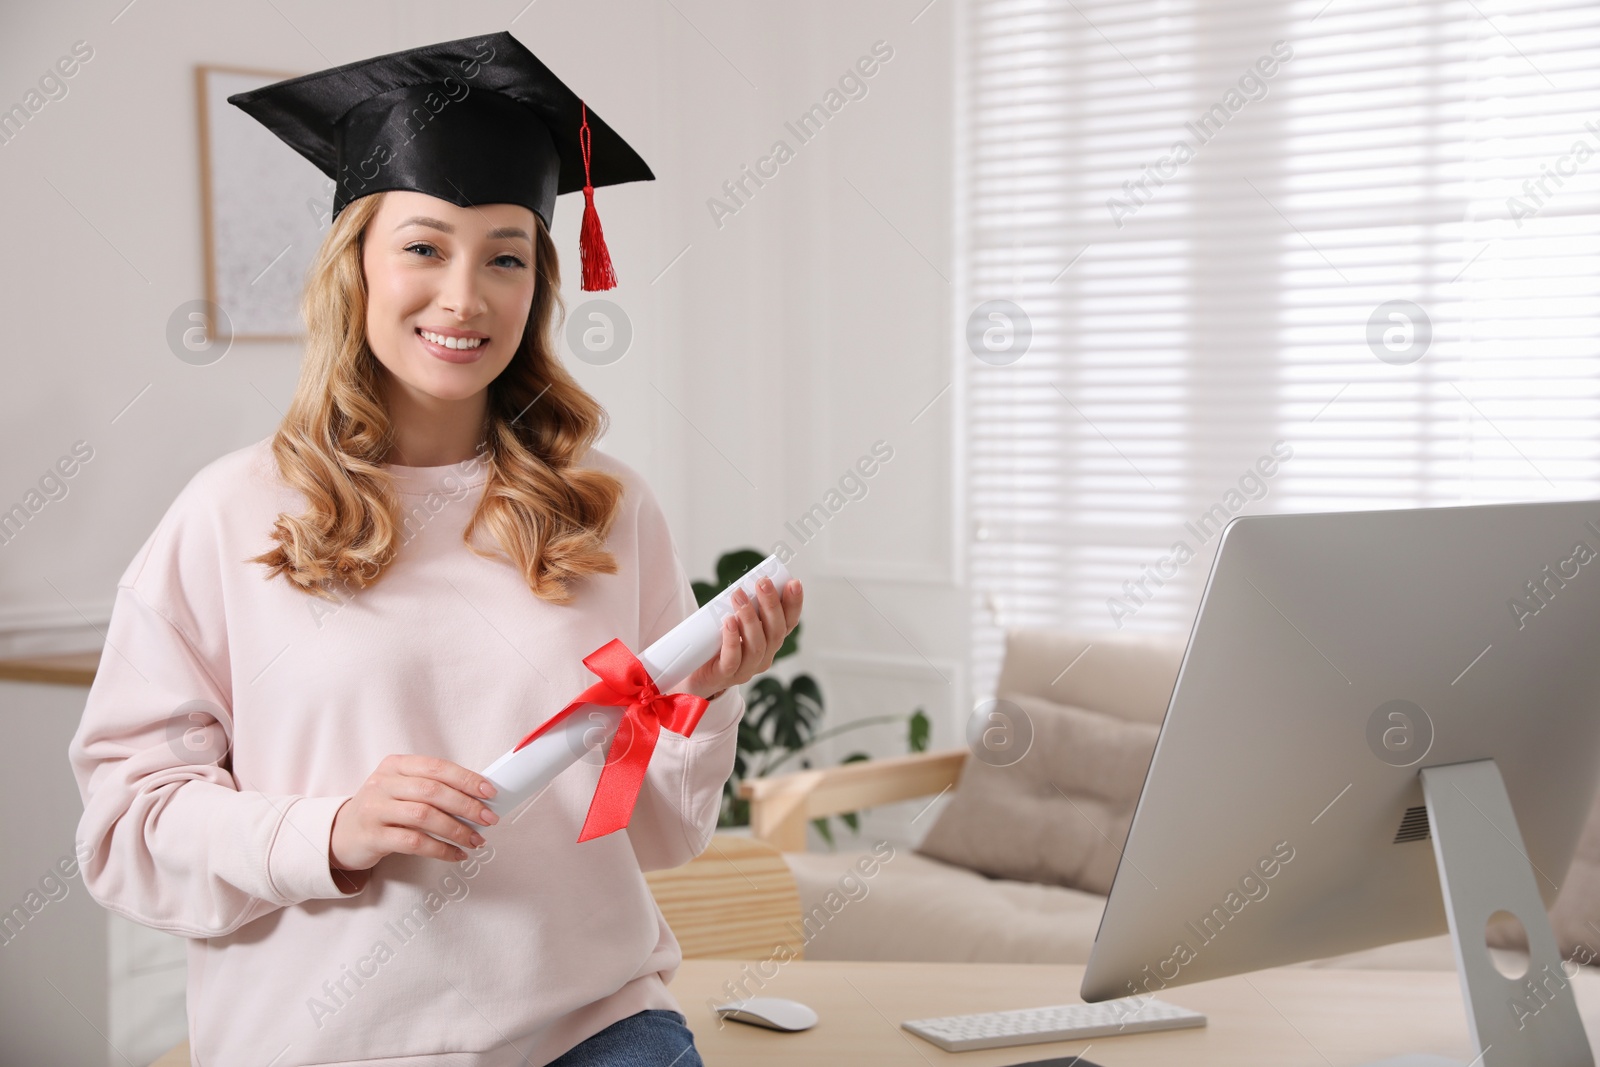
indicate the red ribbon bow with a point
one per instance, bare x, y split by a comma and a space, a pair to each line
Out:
625, 683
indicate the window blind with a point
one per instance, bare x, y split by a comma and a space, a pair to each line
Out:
1229, 258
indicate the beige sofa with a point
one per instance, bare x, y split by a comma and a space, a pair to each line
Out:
913, 907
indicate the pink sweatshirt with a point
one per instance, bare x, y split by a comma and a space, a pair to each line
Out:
510, 957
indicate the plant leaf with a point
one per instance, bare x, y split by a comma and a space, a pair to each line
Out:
793, 715
806, 686
917, 739
791, 640
734, 565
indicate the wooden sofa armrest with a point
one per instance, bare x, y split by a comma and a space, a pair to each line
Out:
781, 806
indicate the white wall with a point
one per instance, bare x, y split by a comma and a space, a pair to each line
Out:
767, 359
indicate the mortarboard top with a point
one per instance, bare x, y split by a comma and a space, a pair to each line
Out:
478, 120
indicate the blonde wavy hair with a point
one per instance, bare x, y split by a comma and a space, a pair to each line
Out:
549, 517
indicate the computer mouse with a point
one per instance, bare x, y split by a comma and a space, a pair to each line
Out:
775, 1013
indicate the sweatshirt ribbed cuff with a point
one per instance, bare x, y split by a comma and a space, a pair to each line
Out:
297, 862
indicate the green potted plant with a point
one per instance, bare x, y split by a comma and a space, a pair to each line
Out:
781, 719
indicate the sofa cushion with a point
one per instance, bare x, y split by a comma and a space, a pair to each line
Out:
1059, 814
920, 909
1128, 675
915, 908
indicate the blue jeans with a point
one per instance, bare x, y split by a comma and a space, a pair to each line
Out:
654, 1037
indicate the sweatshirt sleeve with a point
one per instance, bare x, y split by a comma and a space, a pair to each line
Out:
173, 842
681, 799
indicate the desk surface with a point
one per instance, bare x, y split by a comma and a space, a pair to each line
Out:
1277, 1018
74, 668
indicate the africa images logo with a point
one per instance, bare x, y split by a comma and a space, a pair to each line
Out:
1541, 589
1251, 888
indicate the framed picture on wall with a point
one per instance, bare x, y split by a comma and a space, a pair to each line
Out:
264, 213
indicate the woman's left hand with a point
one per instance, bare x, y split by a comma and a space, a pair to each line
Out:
750, 637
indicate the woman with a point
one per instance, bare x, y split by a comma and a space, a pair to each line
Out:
330, 628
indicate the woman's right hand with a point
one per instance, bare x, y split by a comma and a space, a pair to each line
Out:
401, 803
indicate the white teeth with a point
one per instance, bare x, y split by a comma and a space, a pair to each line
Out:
452, 342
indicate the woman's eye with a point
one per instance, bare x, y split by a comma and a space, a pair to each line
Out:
422, 248
516, 261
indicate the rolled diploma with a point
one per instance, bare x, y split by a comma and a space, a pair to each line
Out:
521, 774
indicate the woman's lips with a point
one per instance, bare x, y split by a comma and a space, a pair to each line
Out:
453, 355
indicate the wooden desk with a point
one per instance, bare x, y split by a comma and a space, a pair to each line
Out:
1277, 1018
75, 668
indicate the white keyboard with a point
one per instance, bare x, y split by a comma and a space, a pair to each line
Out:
1059, 1022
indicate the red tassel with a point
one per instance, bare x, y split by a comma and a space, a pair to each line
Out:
597, 272
596, 258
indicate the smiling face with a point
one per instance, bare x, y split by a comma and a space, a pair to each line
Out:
448, 294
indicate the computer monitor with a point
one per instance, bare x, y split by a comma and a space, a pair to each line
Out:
1356, 688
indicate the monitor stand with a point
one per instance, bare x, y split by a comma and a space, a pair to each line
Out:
1528, 1021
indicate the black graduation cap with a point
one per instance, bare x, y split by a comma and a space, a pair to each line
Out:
479, 120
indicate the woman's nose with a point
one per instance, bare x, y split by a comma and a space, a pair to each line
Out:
462, 293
